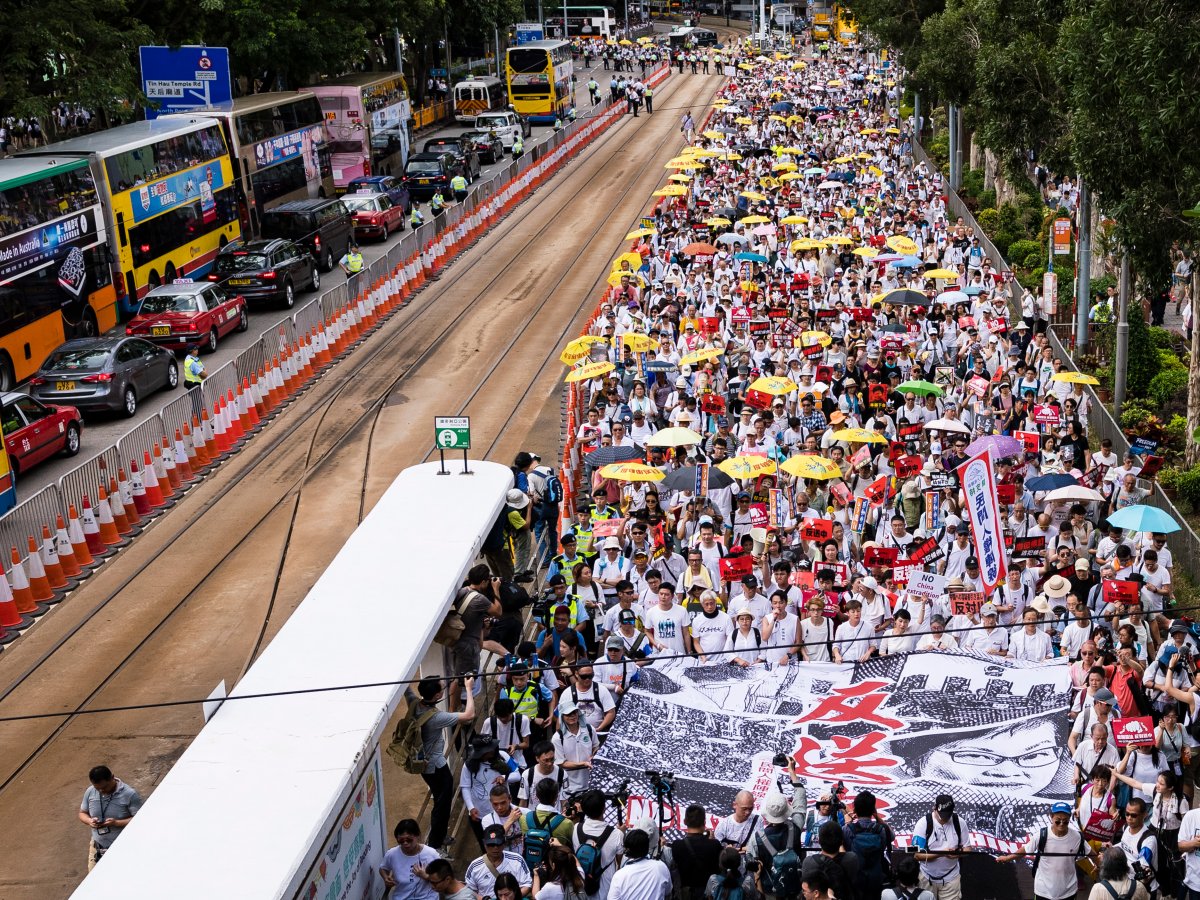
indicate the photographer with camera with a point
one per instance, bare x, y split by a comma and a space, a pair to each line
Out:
775, 853
697, 854
940, 839
598, 846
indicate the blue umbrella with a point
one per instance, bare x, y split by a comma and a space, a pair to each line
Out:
659, 365
783, 106
750, 257
1143, 518
908, 262
973, 290
1049, 482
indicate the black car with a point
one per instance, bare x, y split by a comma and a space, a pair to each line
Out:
323, 227
464, 152
104, 374
486, 143
383, 184
427, 173
272, 269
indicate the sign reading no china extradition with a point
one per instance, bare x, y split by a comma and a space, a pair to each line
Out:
452, 432
183, 78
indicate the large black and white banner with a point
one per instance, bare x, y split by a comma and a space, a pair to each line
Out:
991, 732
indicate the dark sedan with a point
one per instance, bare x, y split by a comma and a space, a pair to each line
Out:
486, 143
267, 270
464, 154
104, 374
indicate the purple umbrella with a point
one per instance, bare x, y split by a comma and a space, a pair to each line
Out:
1001, 445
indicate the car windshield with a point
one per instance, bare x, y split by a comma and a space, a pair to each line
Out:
361, 203
492, 122
443, 147
282, 225
241, 261
423, 167
82, 359
479, 137
161, 303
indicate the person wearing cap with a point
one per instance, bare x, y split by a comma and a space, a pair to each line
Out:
666, 624
748, 595
627, 597
743, 647
1100, 712
611, 568
986, 639
575, 743
940, 839
697, 574
482, 872
594, 700
424, 707
563, 565
614, 669
1056, 848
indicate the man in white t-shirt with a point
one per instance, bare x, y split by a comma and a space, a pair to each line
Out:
1057, 846
1140, 843
940, 838
710, 628
609, 839
854, 639
595, 701
397, 869
1189, 846
816, 633
1030, 642
667, 624
736, 829
779, 632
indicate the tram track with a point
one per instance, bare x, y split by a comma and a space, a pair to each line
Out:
325, 421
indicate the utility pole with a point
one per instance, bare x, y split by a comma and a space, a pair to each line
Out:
1083, 266
951, 120
958, 148
1121, 364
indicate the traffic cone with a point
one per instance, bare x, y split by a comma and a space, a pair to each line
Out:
66, 553
79, 544
104, 520
117, 506
168, 464
91, 529
125, 488
183, 463
256, 396
51, 563
10, 617
160, 475
21, 591
39, 581
234, 404
137, 486
220, 439
251, 420
322, 345
154, 494
209, 436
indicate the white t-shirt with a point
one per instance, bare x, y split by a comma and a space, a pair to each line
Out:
641, 879
1035, 647
944, 836
817, 639
408, 885
1129, 843
1055, 878
593, 704
609, 851
709, 634
852, 641
1189, 830
782, 640
667, 626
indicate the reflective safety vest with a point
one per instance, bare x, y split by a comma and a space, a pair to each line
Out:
566, 565
525, 703
437, 202
518, 146
193, 369
415, 218
458, 184
354, 261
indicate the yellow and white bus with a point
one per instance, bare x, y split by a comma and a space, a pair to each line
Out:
540, 80
169, 198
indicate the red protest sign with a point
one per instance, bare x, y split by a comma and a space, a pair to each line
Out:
842, 493
607, 528
1133, 732
861, 314
735, 568
902, 570
1120, 591
802, 579
891, 342
966, 321
712, 403
929, 550
1151, 467
739, 314
978, 386
1006, 493
895, 450
910, 429
758, 515
908, 466
965, 603
1029, 547
877, 394
813, 350
1045, 415
816, 529
880, 556
709, 325
877, 491
1031, 440
758, 399
1100, 826
861, 455
823, 374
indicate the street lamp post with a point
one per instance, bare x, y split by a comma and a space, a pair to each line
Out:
1122, 355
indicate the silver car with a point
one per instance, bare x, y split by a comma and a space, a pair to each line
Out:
104, 374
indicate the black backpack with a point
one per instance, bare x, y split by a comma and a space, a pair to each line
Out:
957, 822
1044, 835
839, 881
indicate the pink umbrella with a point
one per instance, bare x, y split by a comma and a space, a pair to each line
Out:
764, 229
825, 118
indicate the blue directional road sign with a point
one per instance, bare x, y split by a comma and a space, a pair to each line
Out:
529, 31
185, 78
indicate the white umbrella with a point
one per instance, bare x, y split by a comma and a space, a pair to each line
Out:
952, 297
829, 185
733, 239
947, 425
1075, 492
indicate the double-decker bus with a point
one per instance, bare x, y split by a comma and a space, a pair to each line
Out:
167, 189
369, 122
55, 277
541, 80
584, 22
278, 148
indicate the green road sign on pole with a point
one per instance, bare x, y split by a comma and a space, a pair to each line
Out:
452, 433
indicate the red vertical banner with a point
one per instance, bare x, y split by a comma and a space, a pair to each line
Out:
982, 508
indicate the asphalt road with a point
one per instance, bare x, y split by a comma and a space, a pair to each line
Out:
102, 430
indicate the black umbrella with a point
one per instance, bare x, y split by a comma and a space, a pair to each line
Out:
685, 479
607, 455
731, 213
894, 328
905, 297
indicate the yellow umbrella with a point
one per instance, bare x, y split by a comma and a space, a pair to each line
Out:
893, 130
625, 43
806, 244
674, 437
671, 190
809, 338
775, 385
846, 213
784, 167
865, 252
717, 222
753, 195
902, 244
747, 466
640, 232
732, 157
645, 40
755, 220
876, 171
579, 348
793, 220
869, 131
746, 66
797, 66
864, 156
632, 471
837, 82
639, 343
1073, 378
634, 260
614, 278
859, 436
743, 120
775, 118
840, 239
714, 135
942, 273
679, 177
792, 176
807, 465
590, 371
698, 356
843, 159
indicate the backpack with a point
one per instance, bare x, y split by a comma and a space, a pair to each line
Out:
537, 837
552, 489
494, 542
839, 881
954, 819
1043, 835
733, 893
588, 854
405, 748
781, 875
1128, 895
869, 844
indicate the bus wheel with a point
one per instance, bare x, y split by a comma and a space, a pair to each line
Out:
8, 381
153, 280
170, 274
87, 324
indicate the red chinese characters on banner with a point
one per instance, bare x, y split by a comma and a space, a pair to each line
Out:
846, 759
858, 703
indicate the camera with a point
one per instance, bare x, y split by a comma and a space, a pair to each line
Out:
103, 829
662, 782
751, 866
780, 760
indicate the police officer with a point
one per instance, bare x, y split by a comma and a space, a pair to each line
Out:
558, 123
352, 264
437, 205
594, 90
194, 374
648, 96
415, 219
518, 146
458, 184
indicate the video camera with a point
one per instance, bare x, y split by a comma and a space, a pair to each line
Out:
662, 782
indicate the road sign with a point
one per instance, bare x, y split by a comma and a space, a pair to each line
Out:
185, 78
438, 73
529, 31
452, 432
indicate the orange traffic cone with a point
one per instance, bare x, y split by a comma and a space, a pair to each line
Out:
154, 494
125, 489
51, 563
251, 407
10, 617
66, 552
91, 530
104, 519
79, 544
183, 463
22, 594
160, 475
209, 436
234, 417
220, 438
137, 486
256, 393
39, 582
196, 450
168, 461
117, 507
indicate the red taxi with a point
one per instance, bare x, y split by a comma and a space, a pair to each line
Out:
374, 214
34, 432
184, 313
